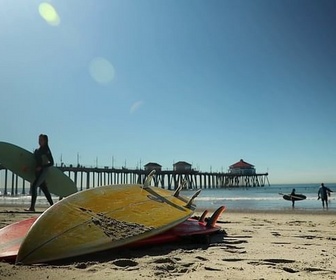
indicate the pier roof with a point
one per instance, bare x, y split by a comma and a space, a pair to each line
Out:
153, 164
241, 164
182, 163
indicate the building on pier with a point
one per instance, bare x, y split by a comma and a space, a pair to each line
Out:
182, 166
242, 168
243, 174
153, 166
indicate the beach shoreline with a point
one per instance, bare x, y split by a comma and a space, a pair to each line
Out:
19, 207
252, 245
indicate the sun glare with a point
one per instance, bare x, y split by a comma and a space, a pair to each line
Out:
135, 106
101, 70
49, 14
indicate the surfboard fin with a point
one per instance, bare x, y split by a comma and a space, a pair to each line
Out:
213, 219
179, 188
177, 191
149, 179
202, 218
190, 202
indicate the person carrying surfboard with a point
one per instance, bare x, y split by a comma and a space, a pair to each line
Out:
323, 194
44, 159
292, 195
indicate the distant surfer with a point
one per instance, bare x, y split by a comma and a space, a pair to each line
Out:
44, 160
323, 193
292, 195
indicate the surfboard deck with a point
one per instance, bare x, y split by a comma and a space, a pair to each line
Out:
12, 235
102, 218
22, 163
295, 197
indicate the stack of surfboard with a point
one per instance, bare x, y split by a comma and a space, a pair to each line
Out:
12, 236
99, 219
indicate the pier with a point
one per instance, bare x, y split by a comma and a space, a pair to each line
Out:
91, 177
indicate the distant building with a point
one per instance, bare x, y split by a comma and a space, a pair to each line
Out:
182, 166
153, 166
242, 168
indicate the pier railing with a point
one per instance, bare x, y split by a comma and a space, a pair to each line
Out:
90, 177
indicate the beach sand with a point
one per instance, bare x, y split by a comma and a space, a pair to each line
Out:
253, 245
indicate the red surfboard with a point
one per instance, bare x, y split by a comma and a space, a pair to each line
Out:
189, 228
12, 235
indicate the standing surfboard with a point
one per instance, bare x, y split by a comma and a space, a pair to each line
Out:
102, 218
22, 163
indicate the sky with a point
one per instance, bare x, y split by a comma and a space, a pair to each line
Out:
128, 82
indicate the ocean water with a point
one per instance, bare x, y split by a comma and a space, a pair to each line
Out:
263, 198
259, 198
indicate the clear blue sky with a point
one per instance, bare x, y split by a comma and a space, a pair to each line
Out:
207, 82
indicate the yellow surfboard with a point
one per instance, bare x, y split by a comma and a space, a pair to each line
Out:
102, 218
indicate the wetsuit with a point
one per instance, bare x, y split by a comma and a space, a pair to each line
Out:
323, 194
293, 200
44, 159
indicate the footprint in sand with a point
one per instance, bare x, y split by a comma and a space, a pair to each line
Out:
290, 270
125, 263
315, 269
272, 262
201, 258
233, 260
164, 260
307, 236
172, 267
278, 260
212, 268
84, 265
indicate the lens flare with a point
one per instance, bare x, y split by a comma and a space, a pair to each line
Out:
49, 14
135, 106
101, 70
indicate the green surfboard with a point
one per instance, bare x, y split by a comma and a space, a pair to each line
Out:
22, 163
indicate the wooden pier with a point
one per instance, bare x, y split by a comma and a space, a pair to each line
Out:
90, 177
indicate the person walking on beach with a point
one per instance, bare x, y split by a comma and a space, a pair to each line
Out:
44, 160
292, 195
323, 193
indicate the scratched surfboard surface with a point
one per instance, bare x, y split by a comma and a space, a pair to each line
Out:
102, 218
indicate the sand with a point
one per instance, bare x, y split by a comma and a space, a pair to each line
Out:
252, 245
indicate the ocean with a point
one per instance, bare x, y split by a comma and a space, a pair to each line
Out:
253, 198
263, 198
